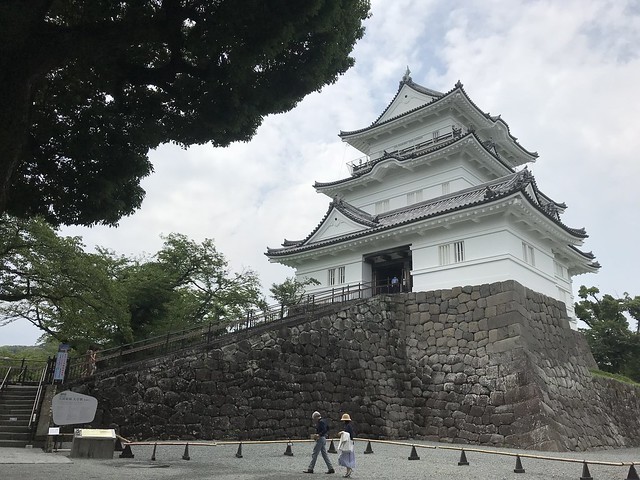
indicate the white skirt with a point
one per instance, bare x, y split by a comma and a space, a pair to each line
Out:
347, 459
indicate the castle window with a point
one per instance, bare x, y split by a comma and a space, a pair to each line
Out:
382, 206
436, 135
458, 252
336, 276
528, 254
444, 254
446, 188
451, 253
560, 270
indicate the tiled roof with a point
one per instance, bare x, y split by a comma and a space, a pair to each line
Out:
471, 197
290, 243
457, 88
588, 255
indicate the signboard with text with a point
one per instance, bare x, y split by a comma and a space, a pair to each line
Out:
61, 362
70, 408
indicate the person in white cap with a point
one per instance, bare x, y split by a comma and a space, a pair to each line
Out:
322, 430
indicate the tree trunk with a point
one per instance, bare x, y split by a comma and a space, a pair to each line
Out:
24, 58
15, 100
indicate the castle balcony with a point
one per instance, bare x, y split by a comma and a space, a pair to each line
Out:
434, 138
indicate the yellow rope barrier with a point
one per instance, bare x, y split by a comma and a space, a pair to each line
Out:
215, 444
392, 442
538, 457
387, 442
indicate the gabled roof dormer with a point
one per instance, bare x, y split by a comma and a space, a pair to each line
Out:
409, 96
340, 219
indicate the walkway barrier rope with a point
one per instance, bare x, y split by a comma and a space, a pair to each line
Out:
586, 475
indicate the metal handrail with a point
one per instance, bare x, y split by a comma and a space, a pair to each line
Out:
357, 165
33, 415
272, 312
20, 371
211, 332
4, 380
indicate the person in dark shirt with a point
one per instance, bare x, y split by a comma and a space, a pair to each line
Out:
322, 430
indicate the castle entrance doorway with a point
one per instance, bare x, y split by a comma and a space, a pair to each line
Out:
391, 270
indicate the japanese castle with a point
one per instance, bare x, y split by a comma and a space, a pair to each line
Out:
442, 198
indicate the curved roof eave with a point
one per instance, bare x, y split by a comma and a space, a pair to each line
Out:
457, 88
390, 157
587, 255
576, 233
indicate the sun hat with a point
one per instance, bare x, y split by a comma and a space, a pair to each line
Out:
315, 415
345, 418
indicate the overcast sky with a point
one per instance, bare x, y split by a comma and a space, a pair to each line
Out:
564, 75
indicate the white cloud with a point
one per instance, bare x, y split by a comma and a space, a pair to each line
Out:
563, 75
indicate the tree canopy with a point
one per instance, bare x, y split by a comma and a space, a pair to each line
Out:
108, 299
51, 282
185, 284
615, 348
87, 88
290, 292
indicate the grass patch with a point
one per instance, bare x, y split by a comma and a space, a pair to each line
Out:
613, 376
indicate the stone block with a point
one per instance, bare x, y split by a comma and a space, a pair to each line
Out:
507, 344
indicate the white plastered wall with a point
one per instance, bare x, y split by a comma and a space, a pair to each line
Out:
493, 253
429, 180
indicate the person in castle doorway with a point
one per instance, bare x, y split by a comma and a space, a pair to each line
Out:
394, 284
322, 430
346, 448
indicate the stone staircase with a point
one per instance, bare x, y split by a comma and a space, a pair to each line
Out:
16, 402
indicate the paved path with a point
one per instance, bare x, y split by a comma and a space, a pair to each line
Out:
267, 462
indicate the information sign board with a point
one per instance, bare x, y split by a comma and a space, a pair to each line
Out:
71, 408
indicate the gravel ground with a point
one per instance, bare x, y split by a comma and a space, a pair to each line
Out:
268, 462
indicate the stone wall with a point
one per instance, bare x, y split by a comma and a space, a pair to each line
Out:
491, 364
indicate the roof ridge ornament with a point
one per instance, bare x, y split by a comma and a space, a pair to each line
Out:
458, 84
489, 193
337, 201
406, 78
